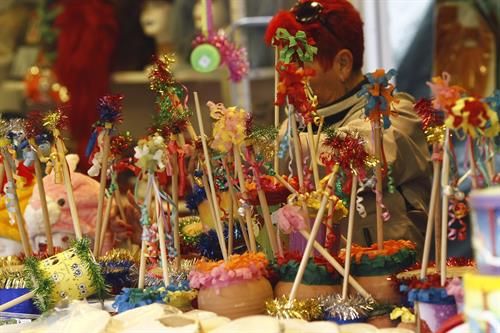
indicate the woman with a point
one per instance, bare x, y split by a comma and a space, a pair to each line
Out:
337, 29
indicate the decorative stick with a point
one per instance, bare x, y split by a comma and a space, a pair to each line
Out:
312, 151
436, 165
161, 233
338, 267
379, 185
276, 114
318, 134
218, 221
266, 214
248, 214
437, 226
105, 223
142, 263
102, 192
350, 229
208, 193
445, 178
17, 301
472, 164
234, 201
297, 148
67, 185
314, 233
2, 171
175, 224
43, 203
18, 214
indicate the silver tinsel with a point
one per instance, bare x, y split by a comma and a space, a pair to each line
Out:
352, 308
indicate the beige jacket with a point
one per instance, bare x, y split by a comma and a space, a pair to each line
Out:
406, 150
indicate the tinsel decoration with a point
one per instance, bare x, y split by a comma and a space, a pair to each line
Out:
343, 311
34, 129
177, 276
292, 89
56, 120
41, 285
196, 197
109, 108
172, 114
131, 298
379, 94
190, 228
120, 144
208, 243
282, 308
432, 121
9, 261
82, 249
119, 270
11, 279
234, 57
262, 139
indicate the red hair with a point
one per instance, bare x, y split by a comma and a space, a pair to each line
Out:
342, 18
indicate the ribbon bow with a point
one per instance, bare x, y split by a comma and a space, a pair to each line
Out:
293, 47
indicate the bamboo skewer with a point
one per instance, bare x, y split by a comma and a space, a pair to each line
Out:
312, 151
17, 301
18, 214
218, 221
142, 263
297, 149
312, 237
43, 205
379, 186
102, 190
67, 184
276, 114
444, 206
472, 164
432, 207
175, 224
161, 235
350, 229
105, 223
248, 214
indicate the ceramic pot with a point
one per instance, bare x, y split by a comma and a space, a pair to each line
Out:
380, 287
306, 291
236, 300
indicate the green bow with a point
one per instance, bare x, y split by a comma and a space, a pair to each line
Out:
296, 45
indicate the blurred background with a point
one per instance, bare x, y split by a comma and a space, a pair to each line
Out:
97, 46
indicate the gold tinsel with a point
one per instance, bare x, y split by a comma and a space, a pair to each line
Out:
6, 262
435, 134
282, 308
117, 255
10, 279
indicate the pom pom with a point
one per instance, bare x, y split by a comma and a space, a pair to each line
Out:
474, 117
109, 108
56, 120
119, 270
208, 244
346, 149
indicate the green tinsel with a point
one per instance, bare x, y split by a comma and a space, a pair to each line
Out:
40, 284
82, 249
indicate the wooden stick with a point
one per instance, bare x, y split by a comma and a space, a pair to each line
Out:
105, 223
248, 214
472, 164
2, 171
218, 226
350, 229
318, 134
18, 214
314, 233
276, 114
68, 186
161, 234
142, 263
312, 151
338, 267
297, 149
102, 190
234, 201
436, 165
43, 205
445, 174
208, 193
17, 301
266, 214
285, 184
379, 186
437, 227
175, 227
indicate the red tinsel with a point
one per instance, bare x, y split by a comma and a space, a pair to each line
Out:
430, 116
347, 150
292, 86
33, 126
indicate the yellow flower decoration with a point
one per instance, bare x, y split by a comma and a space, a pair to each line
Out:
474, 117
229, 128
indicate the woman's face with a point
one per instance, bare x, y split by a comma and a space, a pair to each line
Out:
327, 86
155, 17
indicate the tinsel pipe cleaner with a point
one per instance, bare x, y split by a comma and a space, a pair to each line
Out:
34, 128
56, 121
10, 192
109, 108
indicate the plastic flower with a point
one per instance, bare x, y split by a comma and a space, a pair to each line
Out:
474, 117
290, 218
